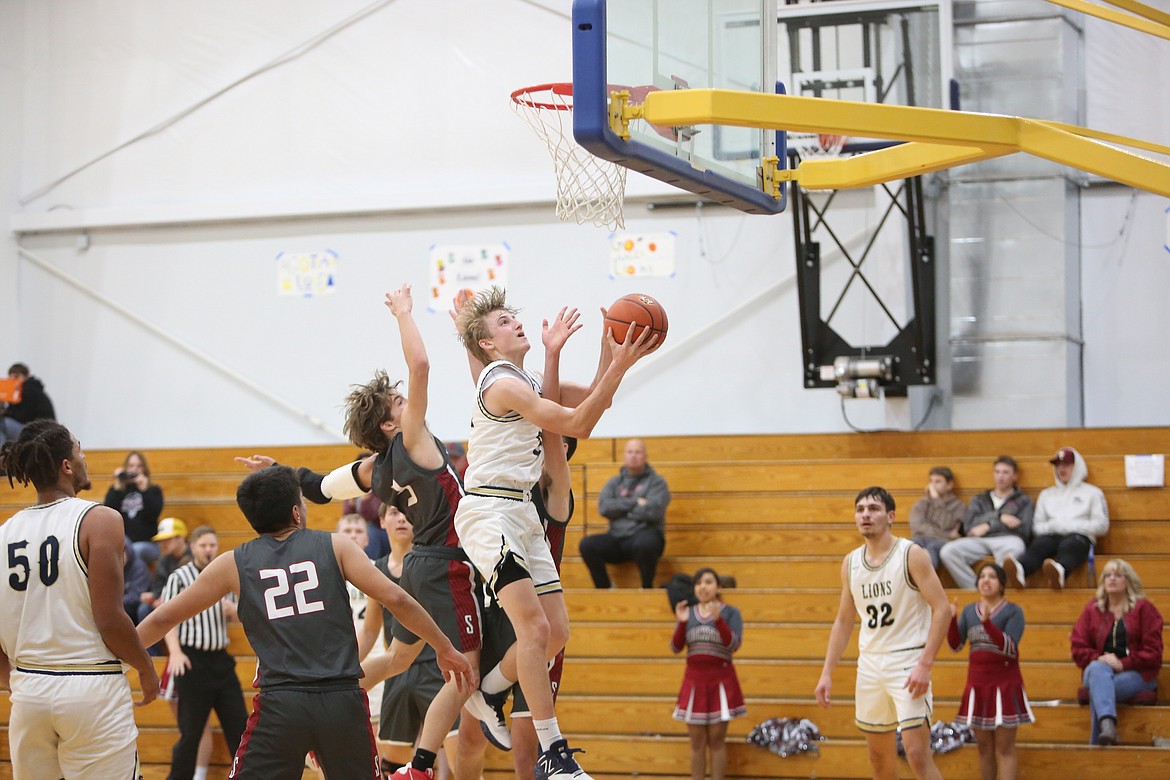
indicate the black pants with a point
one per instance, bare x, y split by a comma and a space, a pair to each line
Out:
644, 548
1070, 551
210, 683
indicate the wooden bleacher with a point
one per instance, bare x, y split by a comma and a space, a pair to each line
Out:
775, 511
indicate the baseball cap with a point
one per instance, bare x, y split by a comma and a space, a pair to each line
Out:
1063, 456
169, 528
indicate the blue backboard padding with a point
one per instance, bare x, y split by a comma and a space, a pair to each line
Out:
591, 126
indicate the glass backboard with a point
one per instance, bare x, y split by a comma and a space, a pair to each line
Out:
646, 45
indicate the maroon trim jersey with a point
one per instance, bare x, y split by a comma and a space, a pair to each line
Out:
554, 530
428, 497
295, 610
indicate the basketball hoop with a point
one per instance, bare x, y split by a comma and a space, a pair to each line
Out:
589, 189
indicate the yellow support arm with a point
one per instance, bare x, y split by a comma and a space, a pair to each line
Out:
1154, 23
940, 139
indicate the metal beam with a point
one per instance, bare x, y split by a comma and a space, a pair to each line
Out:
1155, 23
992, 134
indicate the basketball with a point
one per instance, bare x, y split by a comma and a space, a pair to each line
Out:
639, 310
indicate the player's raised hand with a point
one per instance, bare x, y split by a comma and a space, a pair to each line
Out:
400, 301
455, 666
555, 335
256, 462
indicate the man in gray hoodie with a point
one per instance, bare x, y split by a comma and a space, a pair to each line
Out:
634, 502
1069, 517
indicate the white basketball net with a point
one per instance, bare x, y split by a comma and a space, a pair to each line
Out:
589, 189
816, 146
810, 146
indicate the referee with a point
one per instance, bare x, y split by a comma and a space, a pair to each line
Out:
204, 673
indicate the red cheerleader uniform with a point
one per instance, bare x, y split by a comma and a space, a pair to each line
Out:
710, 690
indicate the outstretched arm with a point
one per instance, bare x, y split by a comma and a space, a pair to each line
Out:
507, 395
572, 394
396, 660
556, 466
349, 481
360, 570
218, 579
473, 363
419, 443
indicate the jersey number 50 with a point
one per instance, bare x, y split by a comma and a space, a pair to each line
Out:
301, 605
18, 558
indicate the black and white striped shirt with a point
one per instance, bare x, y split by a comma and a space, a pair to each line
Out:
206, 631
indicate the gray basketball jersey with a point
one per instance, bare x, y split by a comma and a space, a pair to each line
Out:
295, 610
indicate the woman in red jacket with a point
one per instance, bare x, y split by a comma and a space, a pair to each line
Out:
1117, 641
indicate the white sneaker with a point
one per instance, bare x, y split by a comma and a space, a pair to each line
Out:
488, 709
1055, 573
1014, 570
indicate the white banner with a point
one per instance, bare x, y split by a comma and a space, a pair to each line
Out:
455, 267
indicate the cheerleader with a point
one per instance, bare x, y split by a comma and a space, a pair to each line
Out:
710, 697
994, 702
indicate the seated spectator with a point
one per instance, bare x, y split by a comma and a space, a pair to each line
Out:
140, 504
937, 517
635, 503
173, 553
34, 404
1069, 518
136, 581
1117, 641
998, 524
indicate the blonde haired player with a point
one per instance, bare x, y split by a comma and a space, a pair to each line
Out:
496, 521
891, 585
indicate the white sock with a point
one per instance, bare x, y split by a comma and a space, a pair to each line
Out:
547, 731
495, 682
200, 773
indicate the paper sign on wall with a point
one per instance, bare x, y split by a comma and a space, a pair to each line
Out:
455, 267
641, 255
1145, 470
306, 274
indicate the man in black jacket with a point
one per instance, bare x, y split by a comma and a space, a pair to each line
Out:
34, 404
635, 503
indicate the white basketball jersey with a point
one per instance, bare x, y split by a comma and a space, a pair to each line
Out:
894, 616
46, 615
503, 451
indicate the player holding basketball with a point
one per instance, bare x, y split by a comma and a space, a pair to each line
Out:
891, 585
295, 611
496, 521
552, 497
63, 631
